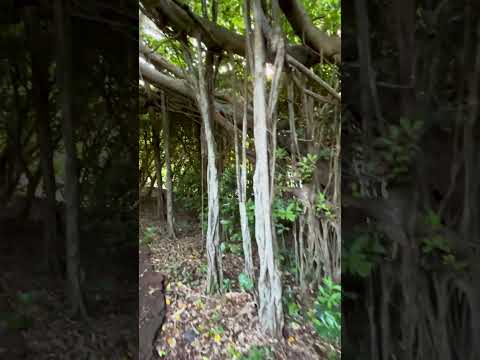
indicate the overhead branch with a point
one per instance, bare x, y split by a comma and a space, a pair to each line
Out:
181, 87
159, 61
155, 77
328, 46
169, 15
224, 105
311, 75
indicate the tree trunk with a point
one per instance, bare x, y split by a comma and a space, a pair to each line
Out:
214, 257
204, 159
41, 90
168, 180
364, 59
470, 216
269, 283
153, 180
242, 196
160, 201
404, 31
144, 172
64, 76
13, 151
158, 167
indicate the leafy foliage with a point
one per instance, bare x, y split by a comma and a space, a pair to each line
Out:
306, 166
436, 246
326, 14
149, 235
233, 352
284, 213
322, 206
359, 258
227, 284
245, 282
436, 243
286, 210
258, 353
398, 147
293, 309
326, 315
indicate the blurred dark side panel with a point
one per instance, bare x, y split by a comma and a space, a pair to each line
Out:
68, 179
410, 179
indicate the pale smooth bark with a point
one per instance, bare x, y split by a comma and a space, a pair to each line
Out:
158, 167
180, 86
241, 170
269, 283
159, 60
168, 172
295, 150
214, 256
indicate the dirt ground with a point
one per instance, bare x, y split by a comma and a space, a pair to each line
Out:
203, 327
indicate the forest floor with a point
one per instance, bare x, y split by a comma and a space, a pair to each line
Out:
34, 314
221, 326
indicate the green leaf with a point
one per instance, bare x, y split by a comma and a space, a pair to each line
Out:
246, 284
293, 309
394, 131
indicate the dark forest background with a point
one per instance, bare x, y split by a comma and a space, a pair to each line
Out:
410, 179
68, 179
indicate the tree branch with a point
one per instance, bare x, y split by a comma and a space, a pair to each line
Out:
328, 46
159, 60
168, 15
310, 74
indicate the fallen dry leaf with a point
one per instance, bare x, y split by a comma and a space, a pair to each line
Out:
172, 342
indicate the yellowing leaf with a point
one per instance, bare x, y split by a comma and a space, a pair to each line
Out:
168, 301
176, 316
172, 342
217, 338
291, 339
